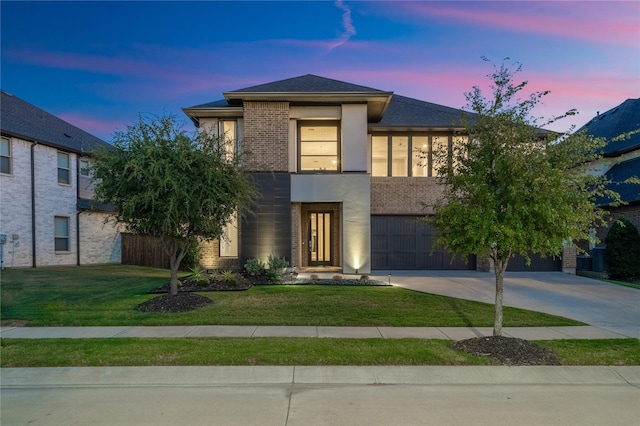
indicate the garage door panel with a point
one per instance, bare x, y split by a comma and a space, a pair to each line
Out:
408, 245
538, 263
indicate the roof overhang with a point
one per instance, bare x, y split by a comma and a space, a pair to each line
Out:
377, 101
195, 114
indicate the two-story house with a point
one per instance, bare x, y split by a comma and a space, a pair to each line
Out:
46, 217
344, 172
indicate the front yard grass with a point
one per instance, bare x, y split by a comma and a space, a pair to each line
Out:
285, 351
108, 295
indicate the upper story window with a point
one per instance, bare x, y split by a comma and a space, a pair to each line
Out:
228, 132
84, 168
64, 168
5, 156
404, 155
319, 146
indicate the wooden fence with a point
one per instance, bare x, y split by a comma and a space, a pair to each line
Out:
143, 250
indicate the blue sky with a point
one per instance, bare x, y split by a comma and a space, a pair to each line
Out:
99, 64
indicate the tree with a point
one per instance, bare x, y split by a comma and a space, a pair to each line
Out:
171, 184
511, 187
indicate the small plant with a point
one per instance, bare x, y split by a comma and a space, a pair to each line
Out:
255, 267
364, 277
228, 277
273, 277
198, 277
337, 278
277, 265
314, 277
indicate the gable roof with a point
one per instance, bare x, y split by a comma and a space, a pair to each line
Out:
23, 120
386, 109
617, 121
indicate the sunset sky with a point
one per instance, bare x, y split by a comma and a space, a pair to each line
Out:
99, 64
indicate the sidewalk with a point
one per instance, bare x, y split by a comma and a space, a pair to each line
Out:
449, 333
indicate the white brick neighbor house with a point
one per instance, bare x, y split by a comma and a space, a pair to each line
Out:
46, 217
344, 171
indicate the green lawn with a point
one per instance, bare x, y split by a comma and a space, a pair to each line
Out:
108, 295
285, 351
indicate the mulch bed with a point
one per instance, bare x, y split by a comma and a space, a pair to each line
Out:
181, 302
508, 350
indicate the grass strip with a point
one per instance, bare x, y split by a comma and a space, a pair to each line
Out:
108, 295
285, 351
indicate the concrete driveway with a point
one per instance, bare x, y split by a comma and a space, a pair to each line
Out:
597, 303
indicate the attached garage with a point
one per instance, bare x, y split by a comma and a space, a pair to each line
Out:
402, 242
538, 264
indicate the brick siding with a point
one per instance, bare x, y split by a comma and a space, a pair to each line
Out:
266, 136
404, 195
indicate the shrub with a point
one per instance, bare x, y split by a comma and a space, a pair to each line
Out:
255, 267
192, 256
623, 249
337, 278
277, 265
228, 277
364, 277
314, 277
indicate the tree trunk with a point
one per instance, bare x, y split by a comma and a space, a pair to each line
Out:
500, 266
174, 265
176, 253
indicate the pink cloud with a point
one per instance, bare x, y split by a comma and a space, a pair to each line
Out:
600, 22
100, 127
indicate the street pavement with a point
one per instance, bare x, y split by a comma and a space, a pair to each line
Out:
297, 396
353, 395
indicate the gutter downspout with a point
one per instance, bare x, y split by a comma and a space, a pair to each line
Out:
77, 210
33, 205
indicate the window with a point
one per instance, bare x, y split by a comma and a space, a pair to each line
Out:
229, 240
319, 147
400, 156
228, 132
61, 233
379, 156
416, 155
420, 156
63, 168
84, 168
5, 156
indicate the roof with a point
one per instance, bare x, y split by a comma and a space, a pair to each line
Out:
308, 84
408, 112
385, 108
23, 120
617, 121
617, 175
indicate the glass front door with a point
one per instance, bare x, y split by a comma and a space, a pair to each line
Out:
320, 235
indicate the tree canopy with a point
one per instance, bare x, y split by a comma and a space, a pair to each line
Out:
512, 187
171, 184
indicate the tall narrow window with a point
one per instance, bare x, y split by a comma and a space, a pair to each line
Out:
229, 240
319, 147
420, 156
63, 168
228, 133
379, 156
5, 156
400, 156
439, 153
61, 233
459, 147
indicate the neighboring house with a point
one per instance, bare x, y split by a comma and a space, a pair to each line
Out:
46, 216
621, 161
344, 172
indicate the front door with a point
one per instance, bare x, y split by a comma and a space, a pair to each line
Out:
320, 239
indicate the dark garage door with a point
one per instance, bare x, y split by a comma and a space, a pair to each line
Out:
400, 242
538, 264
